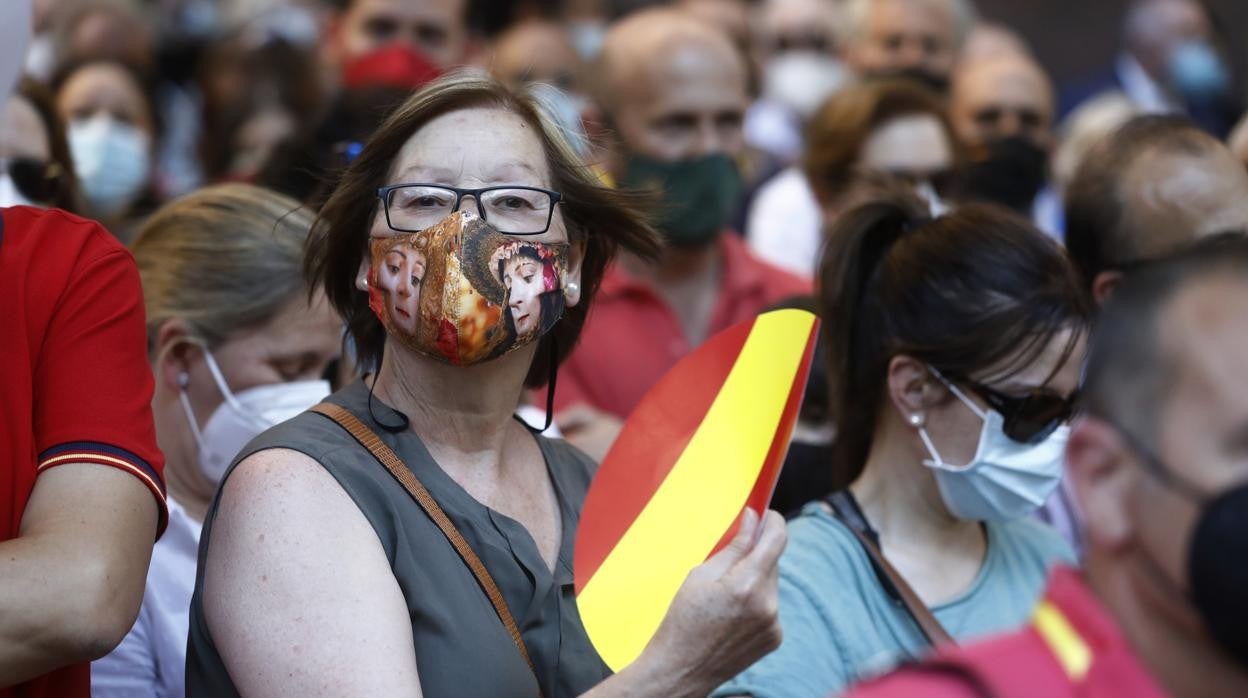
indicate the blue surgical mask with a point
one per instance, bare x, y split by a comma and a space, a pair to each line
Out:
1197, 71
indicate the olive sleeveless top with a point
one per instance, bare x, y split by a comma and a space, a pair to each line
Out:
462, 648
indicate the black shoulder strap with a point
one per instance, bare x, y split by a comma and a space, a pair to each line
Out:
848, 512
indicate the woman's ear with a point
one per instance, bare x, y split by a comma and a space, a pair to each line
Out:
912, 389
176, 348
572, 279
361, 276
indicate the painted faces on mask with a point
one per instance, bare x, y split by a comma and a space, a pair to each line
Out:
464, 293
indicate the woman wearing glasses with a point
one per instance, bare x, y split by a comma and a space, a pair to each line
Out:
954, 350
441, 564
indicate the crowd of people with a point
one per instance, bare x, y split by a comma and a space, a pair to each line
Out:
319, 315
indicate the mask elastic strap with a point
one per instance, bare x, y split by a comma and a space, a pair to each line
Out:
970, 404
554, 380
398, 428
224, 387
190, 415
936, 461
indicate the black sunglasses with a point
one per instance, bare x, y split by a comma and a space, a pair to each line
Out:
1030, 418
37, 180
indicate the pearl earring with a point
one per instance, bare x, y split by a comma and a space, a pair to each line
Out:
573, 287
916, 420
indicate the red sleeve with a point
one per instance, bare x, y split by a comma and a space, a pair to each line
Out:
907, 684
92, 382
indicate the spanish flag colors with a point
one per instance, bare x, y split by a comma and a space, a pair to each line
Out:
705, 442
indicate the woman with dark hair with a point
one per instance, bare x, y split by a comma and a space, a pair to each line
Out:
113, 127
954, 349
409, 536
37, 169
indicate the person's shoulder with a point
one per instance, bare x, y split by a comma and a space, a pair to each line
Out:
776, 283
569, 463
52, 231
821, 549
974, 670
1031, 538
909, 682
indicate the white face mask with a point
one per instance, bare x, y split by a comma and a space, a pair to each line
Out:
113, 162
244, 416
1006, 479
10, 195
802, 80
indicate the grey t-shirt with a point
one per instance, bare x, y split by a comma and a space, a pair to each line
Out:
462, 648
840, 626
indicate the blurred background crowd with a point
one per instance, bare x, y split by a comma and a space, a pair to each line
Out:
206, 135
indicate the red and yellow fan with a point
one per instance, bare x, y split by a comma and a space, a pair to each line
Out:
705, 442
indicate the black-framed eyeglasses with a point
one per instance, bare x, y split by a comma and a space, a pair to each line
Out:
515, 210
1029, 418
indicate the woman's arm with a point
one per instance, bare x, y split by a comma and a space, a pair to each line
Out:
723, 619
298, 593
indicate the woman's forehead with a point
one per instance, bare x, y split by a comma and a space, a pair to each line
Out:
474, 147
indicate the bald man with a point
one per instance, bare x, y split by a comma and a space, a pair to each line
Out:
536, 50
918, 38
1155, 186
1002, 107
674, 91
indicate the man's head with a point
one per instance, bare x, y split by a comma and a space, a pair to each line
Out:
673, 88
1000, 96
1153, 187
784, 26
674, 91
1164, 437
536, 51
435, 28
919, 37
732, 17
1153, 29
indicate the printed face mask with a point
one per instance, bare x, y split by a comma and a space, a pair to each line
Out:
464, 293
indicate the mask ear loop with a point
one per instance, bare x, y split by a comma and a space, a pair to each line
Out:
398, 428
554, 380
184, 379
223, 386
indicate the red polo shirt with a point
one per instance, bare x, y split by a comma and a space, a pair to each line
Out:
632, 336
77, 387
1071, 649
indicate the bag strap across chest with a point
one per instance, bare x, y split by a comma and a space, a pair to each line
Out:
391, 461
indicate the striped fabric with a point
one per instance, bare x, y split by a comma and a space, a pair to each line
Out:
112, 456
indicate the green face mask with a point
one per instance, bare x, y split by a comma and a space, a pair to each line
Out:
697, 195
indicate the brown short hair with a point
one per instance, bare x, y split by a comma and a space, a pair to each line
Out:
1099, 234
838, 130
603, 219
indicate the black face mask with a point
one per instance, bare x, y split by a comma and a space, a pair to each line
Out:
1009, 172
1217, 556
1217, 565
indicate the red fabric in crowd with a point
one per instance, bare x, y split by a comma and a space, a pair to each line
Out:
632, 336
395, 65
1023, 664
77, 387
